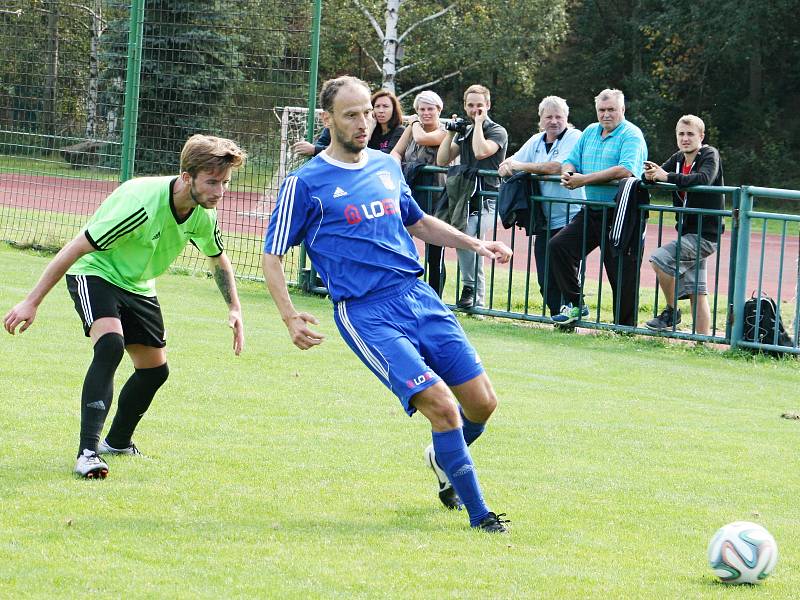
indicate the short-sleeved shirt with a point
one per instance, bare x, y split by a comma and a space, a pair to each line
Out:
137, 235
491, 132
535, 150
385, 142
352, 218
624, 147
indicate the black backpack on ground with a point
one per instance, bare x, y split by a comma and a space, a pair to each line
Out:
764, 331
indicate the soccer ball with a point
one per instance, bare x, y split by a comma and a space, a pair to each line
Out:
742, 552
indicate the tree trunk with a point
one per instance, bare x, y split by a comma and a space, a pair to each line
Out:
94, 69
51, 81
390, 45
756, 74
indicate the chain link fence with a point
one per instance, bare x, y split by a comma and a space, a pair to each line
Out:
67, 91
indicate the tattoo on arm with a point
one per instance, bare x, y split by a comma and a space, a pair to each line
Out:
223, 279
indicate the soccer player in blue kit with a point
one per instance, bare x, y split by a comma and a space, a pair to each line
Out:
354, 211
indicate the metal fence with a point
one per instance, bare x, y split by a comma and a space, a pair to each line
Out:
513, 290
93, 92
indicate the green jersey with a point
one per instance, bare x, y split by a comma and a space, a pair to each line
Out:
137, 235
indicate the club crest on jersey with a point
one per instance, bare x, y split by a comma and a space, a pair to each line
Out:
386, 179
352, 214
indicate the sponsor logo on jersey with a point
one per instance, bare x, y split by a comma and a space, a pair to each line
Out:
419, 380
156, 236
374, 210
339, 192
386, 179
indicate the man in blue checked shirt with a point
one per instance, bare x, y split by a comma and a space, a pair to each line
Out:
608, 150
544, 154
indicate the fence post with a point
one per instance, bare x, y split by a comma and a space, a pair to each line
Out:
132, 75
306, 276
740, 269
313, 67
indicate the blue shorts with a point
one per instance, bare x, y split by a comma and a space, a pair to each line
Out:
409, 339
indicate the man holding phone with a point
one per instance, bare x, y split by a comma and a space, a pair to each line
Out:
694, 163
481, 144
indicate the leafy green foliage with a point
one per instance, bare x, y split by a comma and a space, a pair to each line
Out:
735, 64
498, 44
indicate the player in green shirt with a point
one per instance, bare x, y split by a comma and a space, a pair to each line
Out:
110, 268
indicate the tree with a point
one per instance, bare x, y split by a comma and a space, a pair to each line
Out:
188, 66
426, 43
447, 45
393, 48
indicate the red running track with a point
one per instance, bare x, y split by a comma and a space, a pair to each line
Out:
247, 213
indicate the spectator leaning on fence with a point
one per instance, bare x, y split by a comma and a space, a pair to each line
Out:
611, 149
543, 155
481, 143
693, 164
111, 267
308, 149
388, 120
416, 149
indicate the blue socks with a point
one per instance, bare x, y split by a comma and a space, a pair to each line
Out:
472, 431
453, 456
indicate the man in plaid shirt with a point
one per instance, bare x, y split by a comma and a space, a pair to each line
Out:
608, 150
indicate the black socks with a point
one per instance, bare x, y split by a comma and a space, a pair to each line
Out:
98, 388
134, 400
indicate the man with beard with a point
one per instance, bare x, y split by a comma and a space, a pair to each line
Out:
481, 144
110, 268
353, 210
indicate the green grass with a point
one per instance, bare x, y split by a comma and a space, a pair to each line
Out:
289, 474
255, 176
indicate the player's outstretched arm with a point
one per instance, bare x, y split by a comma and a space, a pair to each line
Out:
226, 282
296, 322
25, 311
434, 231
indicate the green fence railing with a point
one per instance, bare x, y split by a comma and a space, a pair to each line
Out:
512, 290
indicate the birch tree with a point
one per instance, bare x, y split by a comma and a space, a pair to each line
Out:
409, 45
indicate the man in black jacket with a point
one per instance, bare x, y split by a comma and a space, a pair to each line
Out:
698, 235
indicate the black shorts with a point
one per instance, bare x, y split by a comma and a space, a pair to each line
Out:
96, 298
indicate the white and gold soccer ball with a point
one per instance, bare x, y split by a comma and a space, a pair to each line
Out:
742, 552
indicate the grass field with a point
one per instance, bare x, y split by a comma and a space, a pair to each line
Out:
283, 474
256, 175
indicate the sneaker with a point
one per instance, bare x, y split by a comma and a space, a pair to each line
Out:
570, 314
90, 465
668, 319
467, 298
493, 523
447, 494
130, 450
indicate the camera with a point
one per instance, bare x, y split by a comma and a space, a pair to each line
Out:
458, 124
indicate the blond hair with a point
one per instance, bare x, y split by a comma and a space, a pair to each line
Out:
209, 153
478, 89
554, 103
693, 121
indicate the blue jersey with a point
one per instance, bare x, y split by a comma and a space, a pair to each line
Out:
352, 218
